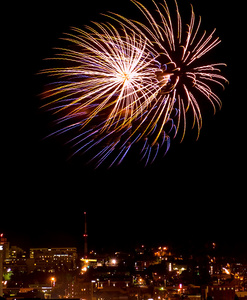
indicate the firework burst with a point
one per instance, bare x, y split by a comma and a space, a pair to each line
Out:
181, 48
132, 85
107, 91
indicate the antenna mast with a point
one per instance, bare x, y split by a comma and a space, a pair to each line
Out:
85, 235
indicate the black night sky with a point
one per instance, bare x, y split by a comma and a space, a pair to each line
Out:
194, 195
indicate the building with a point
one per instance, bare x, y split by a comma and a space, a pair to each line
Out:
17, 259
51, 259
219, 292
4, 253
115, 288
5, 246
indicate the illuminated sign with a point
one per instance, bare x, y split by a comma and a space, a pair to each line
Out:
1, 247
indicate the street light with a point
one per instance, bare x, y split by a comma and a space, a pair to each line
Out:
92, 287
53, 281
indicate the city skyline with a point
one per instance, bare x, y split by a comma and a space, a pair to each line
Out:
160, 273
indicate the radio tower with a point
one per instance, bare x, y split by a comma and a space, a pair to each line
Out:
85, 235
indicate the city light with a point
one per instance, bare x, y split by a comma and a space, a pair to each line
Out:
228, 272
86, 263
53, 281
